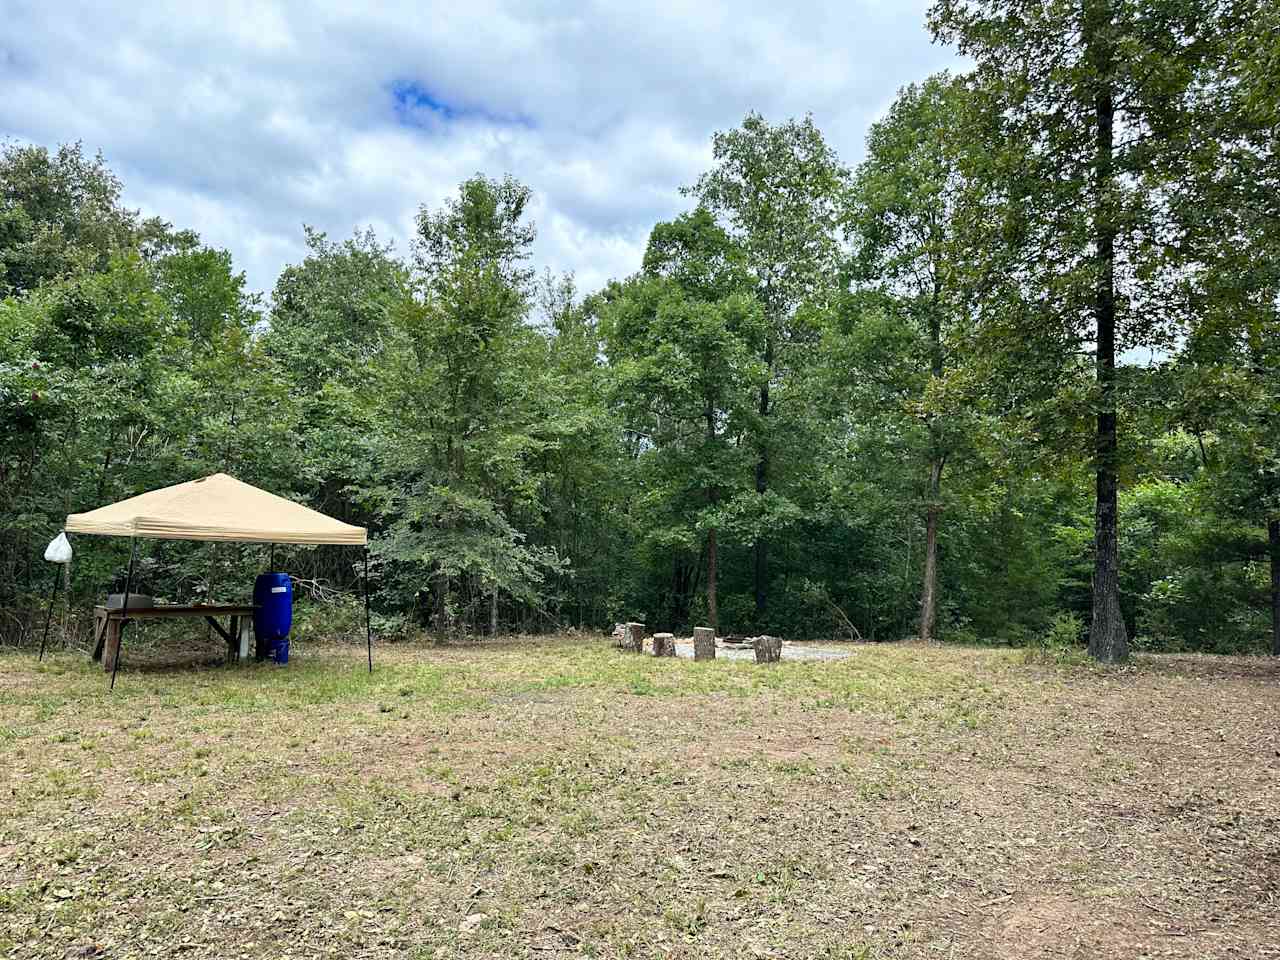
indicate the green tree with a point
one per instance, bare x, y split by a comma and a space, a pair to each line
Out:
1229, 369
330, 319
910, 310
581, 508
458, 427
776, 190
60, 215
1086, 110
683, 340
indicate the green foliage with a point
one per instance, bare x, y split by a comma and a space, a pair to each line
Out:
1195, 579
900, 348
683, 341
776, 190
1061, 642
59, 215
123, 372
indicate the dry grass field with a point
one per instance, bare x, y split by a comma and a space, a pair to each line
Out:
557, 798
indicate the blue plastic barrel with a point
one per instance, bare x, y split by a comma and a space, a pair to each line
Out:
273, 612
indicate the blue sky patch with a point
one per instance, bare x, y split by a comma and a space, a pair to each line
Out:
415, 103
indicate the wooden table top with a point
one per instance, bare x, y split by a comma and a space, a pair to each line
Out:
177, 610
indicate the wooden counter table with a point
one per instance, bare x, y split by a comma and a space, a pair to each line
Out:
107, 623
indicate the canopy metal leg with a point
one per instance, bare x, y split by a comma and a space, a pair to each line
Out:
124, 610
368, 630
48, 617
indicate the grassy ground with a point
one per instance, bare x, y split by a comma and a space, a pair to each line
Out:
560, 799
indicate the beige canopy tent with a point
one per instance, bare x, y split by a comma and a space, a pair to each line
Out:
219, 507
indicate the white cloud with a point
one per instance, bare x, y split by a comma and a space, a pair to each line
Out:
247, 119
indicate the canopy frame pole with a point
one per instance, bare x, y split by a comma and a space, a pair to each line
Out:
53, 598
124, 610
368, 629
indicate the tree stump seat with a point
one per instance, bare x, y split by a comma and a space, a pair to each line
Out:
633, 638
768, 649
704, 643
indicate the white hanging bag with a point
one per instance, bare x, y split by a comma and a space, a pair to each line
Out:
58, 550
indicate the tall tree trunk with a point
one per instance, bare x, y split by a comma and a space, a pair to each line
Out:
713, 616
1273, 539
441, 589
760, 550
1270, 485
1108, 639
682, 585
929, 591
760, 571
493, 614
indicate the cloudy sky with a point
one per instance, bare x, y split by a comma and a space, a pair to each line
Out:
246, 120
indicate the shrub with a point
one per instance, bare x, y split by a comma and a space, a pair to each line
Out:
1059, 642
341, 619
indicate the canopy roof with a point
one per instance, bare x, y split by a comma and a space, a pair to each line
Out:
219, 507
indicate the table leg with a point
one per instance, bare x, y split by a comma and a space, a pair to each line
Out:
233, 642
99, 633
111, 646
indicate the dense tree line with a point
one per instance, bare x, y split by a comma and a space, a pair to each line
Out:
1014, 376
